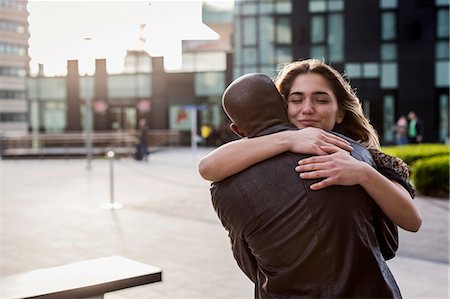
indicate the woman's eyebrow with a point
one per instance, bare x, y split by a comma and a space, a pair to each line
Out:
319, 92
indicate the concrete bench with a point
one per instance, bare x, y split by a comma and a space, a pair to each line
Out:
86, 279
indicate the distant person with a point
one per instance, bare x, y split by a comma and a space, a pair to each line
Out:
206, 132
291, 241
415, 128
142, 147
401, 131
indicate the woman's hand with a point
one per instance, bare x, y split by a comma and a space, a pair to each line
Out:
337, 168
311, 140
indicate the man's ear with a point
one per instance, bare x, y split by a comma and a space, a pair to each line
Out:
236, 130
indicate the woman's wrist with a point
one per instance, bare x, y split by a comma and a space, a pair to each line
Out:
287, 140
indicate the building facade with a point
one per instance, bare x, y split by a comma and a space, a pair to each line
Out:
14, 62
144, 90
394, 52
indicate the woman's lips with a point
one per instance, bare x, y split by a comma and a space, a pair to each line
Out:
307, 122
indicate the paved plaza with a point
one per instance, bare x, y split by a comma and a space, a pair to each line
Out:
52, 214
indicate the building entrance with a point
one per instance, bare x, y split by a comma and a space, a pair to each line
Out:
124, 118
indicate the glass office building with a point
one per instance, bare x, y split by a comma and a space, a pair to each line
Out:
394, 52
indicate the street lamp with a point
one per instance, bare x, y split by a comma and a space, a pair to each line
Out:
88, 121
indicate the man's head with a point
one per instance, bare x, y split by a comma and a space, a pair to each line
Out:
253, 104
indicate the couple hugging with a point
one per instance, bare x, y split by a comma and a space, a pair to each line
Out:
310, 203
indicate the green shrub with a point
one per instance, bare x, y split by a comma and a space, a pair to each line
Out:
413, 152
431, 175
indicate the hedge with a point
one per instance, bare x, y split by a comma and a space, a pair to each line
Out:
431, 175
413, 152
429, 164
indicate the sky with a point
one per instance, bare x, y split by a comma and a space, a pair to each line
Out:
85, 30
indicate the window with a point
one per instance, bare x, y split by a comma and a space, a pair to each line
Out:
442, 50
13, 117
370, 70
327, 30
353, 70
389, 75
443, 118
317, 6
317, 29
442, 23
441, 75
388, 3
283, 33
336, 37
211, 83
249, 32
283, 6
388, 52
388, 26
388, 118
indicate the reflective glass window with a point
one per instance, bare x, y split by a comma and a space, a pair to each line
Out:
442, 50
120, 86
388, 118
284, 54
317, 5
336, 37
237, 41
389, 75
388, 3
318, 52
388, 26
317, 29
54, 117
443, 118
388, 51
335, 5
284, 35
353, 70
370, 70
441, 2
249, 8
266, 40
283, 6
441, 74
250, 56
210, 83
210, 61
442, 23
265, 7
249, 31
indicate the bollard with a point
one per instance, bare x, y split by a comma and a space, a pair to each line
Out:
111, 204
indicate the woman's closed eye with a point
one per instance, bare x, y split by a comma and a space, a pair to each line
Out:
295, 100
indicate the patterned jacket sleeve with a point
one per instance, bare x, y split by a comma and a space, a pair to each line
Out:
393, 168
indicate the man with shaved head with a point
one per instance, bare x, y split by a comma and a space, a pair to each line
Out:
293, 242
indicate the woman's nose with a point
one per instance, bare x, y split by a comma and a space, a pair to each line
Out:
308, 107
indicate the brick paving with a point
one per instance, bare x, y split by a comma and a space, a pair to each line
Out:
52, 214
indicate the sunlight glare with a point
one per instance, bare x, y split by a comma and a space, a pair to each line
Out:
58, 30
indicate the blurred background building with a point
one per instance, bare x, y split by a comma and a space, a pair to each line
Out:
395, 53
14, 61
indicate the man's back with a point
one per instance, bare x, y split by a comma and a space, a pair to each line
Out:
295, 242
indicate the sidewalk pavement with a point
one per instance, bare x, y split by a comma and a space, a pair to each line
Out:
51, 214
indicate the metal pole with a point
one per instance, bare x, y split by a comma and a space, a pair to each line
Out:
88, 111
194, 131
89, 132
111, 205
111, 177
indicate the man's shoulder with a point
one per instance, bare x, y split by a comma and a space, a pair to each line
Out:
359, 152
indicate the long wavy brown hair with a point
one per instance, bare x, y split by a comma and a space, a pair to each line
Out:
354, 124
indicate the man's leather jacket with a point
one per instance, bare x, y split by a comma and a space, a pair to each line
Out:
293, 242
